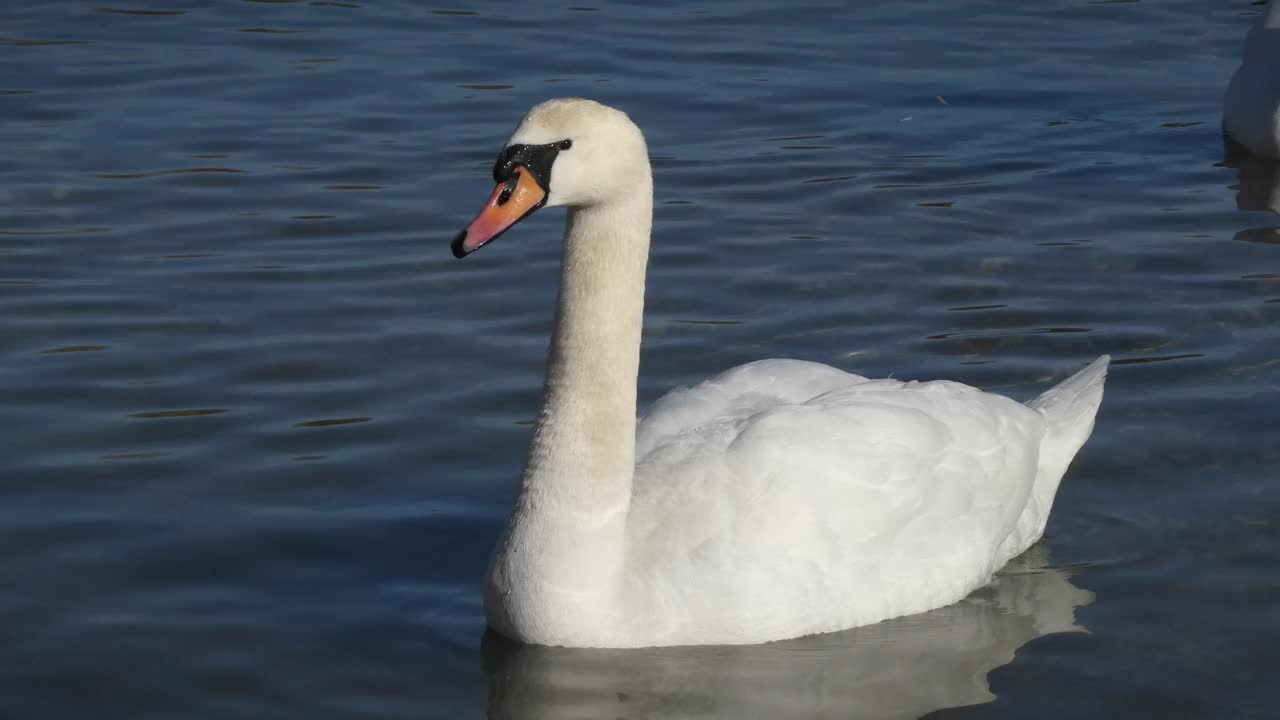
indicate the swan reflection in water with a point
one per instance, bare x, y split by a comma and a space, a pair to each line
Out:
1257, 188
899, 668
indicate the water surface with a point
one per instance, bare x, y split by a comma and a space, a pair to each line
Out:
260, 430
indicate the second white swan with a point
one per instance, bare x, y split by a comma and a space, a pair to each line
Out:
1251, 108
779, 499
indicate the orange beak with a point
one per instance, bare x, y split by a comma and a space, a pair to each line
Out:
512, 201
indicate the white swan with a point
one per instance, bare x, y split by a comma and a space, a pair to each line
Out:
1251, 109
782, 498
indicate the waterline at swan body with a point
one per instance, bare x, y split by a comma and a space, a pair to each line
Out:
781, 498
1251, 109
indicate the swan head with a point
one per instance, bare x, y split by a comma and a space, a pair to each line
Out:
566, 151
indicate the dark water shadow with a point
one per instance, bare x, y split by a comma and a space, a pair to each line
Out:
901, 668
1257, 178
1257, 189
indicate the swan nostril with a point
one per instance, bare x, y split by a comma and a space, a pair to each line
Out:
509, 188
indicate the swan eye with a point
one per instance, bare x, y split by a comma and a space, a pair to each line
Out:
564, 144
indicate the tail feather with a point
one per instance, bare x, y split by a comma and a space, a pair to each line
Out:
1068, 409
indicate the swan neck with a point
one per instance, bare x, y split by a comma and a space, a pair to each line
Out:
584, 443
557, 569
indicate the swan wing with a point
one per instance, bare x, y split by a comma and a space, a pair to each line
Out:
762, 513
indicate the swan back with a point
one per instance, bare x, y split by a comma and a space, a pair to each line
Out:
785, 497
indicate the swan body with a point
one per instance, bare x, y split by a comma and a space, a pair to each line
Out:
1251, 109
781, 498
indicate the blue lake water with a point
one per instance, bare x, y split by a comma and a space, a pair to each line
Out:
259, 430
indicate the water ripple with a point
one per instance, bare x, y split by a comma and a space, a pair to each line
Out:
254, 413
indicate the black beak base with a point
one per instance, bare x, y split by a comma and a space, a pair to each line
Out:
537, 159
